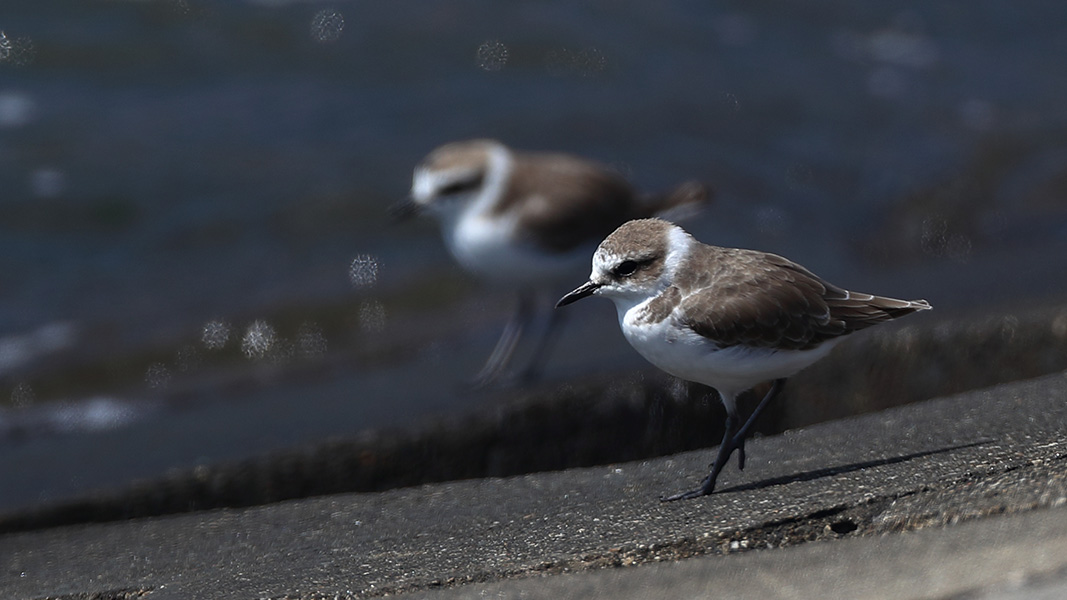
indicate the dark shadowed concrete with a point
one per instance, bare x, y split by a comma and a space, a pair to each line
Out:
970, 458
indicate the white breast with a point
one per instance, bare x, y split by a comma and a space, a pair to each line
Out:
489, 248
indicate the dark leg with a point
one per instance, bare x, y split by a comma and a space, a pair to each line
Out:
734, 439
549, 334
772, 393
726, 448
505, 346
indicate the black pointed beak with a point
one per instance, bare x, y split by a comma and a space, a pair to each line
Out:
586, 289
403, 210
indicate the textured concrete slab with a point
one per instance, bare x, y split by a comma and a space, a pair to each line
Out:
964, 458
1015, 556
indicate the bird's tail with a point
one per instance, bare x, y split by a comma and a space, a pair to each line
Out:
679, 204
860, 311
898, 308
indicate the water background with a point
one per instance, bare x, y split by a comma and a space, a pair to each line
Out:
196, 265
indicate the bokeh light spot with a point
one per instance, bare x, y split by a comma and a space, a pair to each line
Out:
22, 395
215, 334
16, 51
15, 109
731, 102
327, 25
771, 221
492, 55
258, 340
48, 182
363, 271
372, 316
157, 376
310, 340
187, 358
582, 63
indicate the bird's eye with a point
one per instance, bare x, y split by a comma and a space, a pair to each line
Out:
626, 268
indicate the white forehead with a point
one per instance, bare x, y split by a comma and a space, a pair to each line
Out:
426, 182
604, 260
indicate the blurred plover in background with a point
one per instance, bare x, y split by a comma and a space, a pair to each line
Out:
525, 220
724, 317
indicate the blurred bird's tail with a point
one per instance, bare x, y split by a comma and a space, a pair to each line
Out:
681, 203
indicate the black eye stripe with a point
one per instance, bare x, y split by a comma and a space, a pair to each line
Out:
462, 185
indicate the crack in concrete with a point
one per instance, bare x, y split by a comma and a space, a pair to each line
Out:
119, 594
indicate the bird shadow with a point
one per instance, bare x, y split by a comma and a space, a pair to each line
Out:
849, 468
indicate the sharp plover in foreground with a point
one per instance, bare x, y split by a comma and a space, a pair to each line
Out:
724, 317
525, 220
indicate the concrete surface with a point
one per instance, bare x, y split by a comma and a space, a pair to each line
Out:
1016, 556
850, 486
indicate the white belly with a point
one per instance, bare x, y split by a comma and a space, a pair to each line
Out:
732, 370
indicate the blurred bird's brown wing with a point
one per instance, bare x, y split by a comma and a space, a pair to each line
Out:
567, 202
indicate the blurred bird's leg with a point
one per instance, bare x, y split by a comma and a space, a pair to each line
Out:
509, 339
549, 334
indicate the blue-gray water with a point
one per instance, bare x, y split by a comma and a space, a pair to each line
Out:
174, 168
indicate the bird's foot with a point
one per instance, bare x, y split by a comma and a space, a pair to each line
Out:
706, 488
684, 496
502, 379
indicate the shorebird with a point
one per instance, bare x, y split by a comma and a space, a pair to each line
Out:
724, 317
526, 220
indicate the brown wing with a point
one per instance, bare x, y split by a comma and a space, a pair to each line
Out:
765, 300
568, 202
